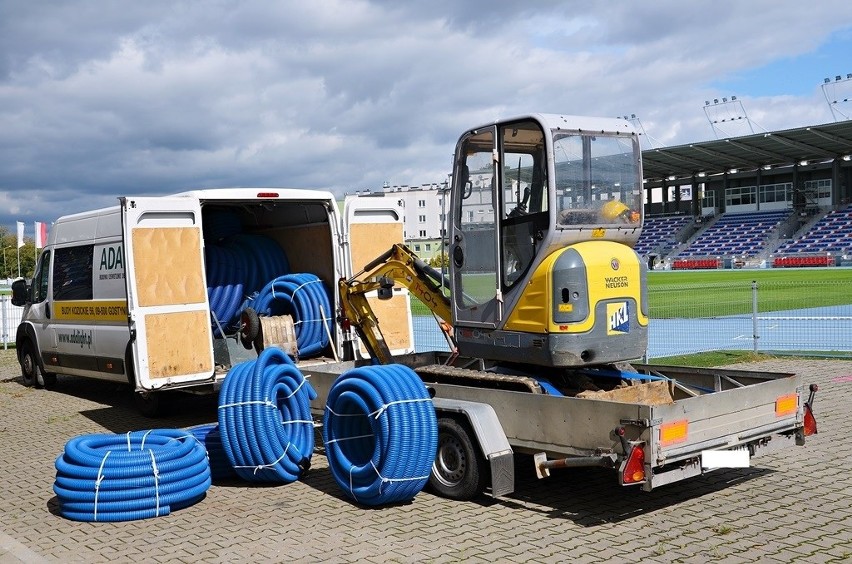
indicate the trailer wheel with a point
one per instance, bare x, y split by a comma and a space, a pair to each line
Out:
459, 471
29, 366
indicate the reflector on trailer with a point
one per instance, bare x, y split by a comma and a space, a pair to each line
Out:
633, 470
786, 405
810, 421
674, 432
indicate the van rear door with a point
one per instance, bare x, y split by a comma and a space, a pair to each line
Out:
373, 225
167, 292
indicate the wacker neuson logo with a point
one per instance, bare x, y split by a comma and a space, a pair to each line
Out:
619, 318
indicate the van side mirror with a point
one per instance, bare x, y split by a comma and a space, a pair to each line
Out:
20, 292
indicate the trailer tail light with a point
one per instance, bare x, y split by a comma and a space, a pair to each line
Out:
674, 432
786, 405
633, 470
267, 194
810, 421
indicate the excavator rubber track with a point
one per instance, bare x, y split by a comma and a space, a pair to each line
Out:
442, 374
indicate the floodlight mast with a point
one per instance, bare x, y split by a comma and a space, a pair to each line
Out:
643, 135
727, 111
833, 99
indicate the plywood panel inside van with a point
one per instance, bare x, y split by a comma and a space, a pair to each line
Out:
308, 249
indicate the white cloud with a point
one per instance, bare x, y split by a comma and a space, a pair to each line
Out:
100, 99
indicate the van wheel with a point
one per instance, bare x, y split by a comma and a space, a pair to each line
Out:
45, 380
459, 471
148, 403
29, 366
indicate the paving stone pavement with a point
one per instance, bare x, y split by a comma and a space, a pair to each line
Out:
792, 506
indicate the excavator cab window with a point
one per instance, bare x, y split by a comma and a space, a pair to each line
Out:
474, 256
524, 197
597, 180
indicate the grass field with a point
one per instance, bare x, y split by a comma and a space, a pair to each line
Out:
694, 293
675, 294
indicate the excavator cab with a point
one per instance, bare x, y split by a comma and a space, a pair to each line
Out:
545, 211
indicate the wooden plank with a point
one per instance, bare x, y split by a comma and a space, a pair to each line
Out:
368, 241
172, 344
393, 321
167, 263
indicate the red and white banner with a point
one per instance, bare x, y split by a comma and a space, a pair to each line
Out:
40, 234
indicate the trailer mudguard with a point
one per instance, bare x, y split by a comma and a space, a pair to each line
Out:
491, 439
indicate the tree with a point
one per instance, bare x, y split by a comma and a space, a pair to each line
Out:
9, 258
440, 260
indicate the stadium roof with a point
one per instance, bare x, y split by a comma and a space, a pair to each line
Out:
816, 143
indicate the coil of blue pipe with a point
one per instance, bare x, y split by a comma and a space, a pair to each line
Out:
137, 475
265, 420
304, 297
381, 433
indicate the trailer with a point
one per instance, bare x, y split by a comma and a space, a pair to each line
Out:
674, 423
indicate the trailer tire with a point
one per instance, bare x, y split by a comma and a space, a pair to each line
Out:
459, 471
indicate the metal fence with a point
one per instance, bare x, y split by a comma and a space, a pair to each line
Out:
769, 317
10, 317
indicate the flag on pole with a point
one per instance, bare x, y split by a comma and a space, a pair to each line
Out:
20, 234
40, 234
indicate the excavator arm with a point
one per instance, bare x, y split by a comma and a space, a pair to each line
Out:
396, 266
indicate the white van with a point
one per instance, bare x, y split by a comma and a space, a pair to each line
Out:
156, 291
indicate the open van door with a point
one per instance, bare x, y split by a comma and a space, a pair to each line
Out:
167, 301
373, 226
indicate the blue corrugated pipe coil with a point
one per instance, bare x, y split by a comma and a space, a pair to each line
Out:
209, 436
381, 433
138, 475
304, 297
265, 418
236, 267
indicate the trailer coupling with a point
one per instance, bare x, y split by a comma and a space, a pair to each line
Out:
631, 466
543, 466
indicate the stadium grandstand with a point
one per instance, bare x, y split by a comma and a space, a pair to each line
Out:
779, 198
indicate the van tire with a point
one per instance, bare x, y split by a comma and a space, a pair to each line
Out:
46, 380
29, 365
33, 375
148, 404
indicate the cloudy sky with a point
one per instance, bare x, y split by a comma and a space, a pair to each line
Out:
100, 99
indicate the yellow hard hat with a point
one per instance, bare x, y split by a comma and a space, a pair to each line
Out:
614, 209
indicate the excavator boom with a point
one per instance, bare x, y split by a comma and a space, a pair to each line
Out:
399, 265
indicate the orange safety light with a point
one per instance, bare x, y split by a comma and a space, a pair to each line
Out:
633, 470
674, 432
786, 405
